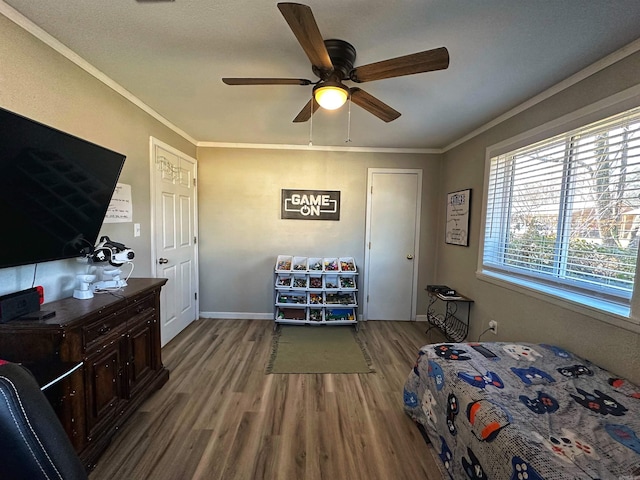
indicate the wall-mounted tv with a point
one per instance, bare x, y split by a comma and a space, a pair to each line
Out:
54, 191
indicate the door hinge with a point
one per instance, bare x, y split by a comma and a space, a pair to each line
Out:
195, 295
367, 298
371, 189
195, 239
369, 245
195, 182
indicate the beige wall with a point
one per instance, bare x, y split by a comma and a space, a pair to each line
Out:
39, 83
241, 232
521, 317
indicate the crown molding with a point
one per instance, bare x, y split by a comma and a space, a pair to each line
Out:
320, 148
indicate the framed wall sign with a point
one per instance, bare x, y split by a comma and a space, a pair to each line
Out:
310, 204
457, 226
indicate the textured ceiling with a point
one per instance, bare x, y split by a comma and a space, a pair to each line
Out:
172, 56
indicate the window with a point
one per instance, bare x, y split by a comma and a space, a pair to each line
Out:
564, 213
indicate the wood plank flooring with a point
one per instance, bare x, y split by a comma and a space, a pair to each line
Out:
221, 417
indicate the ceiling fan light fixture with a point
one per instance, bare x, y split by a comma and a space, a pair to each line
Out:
330, 95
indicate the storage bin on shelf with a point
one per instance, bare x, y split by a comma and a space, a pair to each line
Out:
331, 282
288, 313
339, 314
315, 314
347, 264
300, 281
316, 298
340, 298
330, 265
283, 281
315, 281
314, 264
299, 264
283, 263
347, 282
291, 298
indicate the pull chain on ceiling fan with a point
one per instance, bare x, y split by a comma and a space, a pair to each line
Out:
332, 62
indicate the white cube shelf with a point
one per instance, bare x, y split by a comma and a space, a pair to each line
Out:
315, 290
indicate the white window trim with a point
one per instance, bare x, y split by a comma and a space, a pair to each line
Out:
620, 316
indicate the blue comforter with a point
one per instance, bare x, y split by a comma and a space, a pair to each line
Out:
524, 411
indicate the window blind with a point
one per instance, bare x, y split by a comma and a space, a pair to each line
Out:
566, 210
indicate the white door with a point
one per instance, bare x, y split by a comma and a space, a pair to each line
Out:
391, 252
174, 228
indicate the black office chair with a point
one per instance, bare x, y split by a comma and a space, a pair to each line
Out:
33, 444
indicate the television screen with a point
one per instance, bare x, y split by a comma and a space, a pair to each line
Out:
54, 191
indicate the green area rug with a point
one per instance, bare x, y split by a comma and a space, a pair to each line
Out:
318, 349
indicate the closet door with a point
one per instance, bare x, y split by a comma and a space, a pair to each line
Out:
391, 252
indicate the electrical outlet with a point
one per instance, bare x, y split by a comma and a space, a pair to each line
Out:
493, 326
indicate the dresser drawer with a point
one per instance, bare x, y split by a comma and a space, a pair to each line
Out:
101, 331
145, 305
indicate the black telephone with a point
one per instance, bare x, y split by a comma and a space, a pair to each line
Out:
441, 289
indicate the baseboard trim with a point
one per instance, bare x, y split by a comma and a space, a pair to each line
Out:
237, 315
267, 316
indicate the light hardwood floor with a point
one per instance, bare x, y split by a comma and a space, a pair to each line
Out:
221, 417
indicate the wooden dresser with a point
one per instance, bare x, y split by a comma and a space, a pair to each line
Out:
116, 337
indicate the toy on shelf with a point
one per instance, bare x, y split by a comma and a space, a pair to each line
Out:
347, 282
331, 265
340, 299
300, 264
299, 298
347, 264
335, 314
283, 281
315, 264
300, 282
283, 263
315, 299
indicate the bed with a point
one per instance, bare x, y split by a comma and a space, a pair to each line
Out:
523, 411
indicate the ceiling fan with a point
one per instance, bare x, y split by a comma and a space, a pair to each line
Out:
332, 62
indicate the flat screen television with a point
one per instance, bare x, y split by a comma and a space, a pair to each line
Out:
55, 190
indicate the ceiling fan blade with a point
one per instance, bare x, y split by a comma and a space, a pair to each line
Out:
266, 81
372, 105
303, 24
436, 59
305, 113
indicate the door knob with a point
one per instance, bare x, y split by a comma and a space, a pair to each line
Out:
163, 260
409, 257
